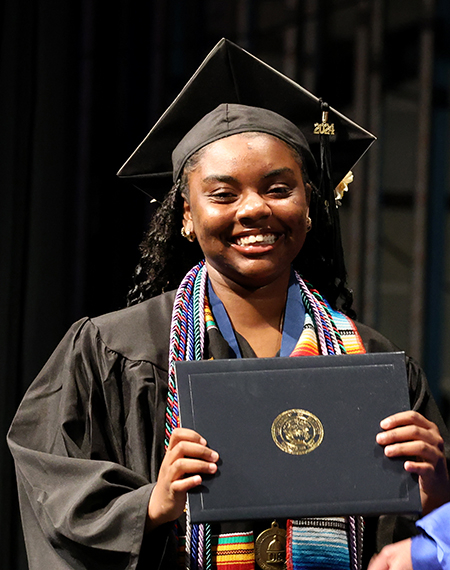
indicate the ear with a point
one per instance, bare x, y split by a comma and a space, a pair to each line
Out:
187, 216
308, 192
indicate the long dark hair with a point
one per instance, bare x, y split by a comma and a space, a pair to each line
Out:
166, 256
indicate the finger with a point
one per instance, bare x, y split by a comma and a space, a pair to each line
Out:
411, 433
422, 469
185, 466
421, 449
185, 485
193, 450
405, 418
184, 434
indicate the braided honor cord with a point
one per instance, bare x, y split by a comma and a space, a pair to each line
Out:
187, 340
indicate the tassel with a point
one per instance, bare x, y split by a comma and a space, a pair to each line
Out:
327, 202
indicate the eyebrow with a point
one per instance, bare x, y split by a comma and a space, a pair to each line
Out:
220, 178
231, 179
284, 170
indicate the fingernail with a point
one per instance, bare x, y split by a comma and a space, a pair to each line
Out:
214, 456
203, 441
384, 423
212, 467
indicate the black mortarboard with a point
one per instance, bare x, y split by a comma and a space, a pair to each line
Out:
229, 74
232, 118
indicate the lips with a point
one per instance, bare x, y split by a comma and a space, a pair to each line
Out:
256, 239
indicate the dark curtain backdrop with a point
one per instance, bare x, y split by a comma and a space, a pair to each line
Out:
81, 83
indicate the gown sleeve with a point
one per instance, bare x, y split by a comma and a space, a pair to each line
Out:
83, 488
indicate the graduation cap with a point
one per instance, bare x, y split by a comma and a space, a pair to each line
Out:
229, 74
232, 91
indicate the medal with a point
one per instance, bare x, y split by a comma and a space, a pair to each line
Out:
270, 548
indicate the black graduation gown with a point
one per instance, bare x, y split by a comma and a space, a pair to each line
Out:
88, 441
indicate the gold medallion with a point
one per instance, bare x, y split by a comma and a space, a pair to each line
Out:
270, 548
297, 432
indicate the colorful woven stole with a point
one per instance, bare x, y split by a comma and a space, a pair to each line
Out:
311, 543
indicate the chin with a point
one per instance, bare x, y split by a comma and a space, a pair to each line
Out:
256, 277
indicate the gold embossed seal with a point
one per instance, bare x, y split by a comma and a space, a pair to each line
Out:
297, 432
270, 548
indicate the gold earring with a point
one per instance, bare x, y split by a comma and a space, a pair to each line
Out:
190, 236
308, 223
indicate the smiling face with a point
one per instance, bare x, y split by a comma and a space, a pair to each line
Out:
248, 208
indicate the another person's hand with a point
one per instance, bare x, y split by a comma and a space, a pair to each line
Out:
411, 434
393, 557
187, 456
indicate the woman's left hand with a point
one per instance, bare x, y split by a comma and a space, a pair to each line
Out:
411, 434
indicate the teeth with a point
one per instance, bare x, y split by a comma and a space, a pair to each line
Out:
260, 239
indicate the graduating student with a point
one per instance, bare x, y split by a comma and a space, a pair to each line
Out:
232, 266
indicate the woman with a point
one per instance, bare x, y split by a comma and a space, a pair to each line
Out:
97, 487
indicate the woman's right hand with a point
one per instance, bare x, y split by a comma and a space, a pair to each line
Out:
187, 456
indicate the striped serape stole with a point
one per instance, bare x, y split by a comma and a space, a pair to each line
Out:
349, 333
318, 544
209, 318
323, 543
234, 551
307, 344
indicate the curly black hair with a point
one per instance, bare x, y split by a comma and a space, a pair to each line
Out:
166, 256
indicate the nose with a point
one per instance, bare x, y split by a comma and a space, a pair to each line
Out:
252, 207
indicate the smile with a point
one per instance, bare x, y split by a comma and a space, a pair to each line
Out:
259, 239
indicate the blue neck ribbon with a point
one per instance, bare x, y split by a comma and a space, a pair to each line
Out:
294, 318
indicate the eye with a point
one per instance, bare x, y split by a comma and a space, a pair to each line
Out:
279, 190
223, 195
